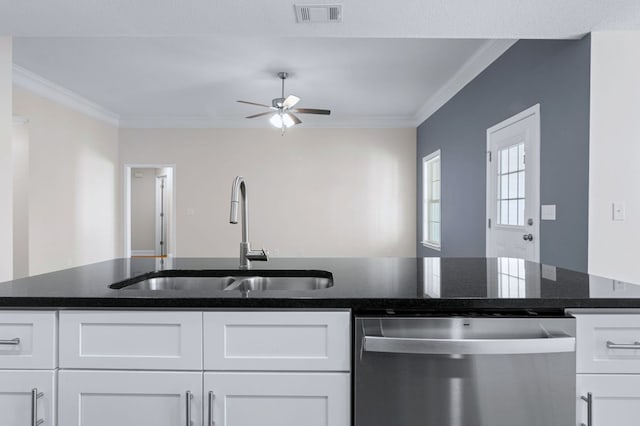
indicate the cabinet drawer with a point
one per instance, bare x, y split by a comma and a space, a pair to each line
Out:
131, 340
27, 339
605, 343
284, 341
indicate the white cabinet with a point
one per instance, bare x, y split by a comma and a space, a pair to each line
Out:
26, 396
608, 343
607, 363
27, 367
145, 340
278, 399
277, 341
129, 398
27, 340
276, 368
131, 368
615, 399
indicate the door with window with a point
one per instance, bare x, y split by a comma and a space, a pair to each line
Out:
513, 187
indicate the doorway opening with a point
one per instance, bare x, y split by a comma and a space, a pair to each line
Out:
149, 210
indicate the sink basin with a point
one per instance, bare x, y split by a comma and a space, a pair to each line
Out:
229, 280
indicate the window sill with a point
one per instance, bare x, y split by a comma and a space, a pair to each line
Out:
432, 246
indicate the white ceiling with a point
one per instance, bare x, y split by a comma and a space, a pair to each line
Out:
187, 62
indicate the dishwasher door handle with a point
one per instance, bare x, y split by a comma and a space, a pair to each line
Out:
403, 345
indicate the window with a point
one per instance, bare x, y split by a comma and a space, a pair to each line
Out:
511, 176
431, 200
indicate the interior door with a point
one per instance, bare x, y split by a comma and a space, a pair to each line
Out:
513, 187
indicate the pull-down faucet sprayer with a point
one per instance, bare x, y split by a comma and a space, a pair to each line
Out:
239, 190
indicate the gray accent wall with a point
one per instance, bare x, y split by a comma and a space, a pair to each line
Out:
553, 73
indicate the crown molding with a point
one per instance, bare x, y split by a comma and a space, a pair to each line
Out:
478, 62
47, 89
481, 59
202, 122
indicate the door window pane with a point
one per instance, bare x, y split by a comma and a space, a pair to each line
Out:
511, 185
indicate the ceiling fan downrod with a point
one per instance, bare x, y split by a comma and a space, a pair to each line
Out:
279, 102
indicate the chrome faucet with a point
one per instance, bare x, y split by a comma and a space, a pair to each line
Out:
246, 254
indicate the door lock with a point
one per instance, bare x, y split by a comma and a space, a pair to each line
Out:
527, 237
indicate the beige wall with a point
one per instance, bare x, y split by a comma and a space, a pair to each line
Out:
6, 173
313, 192
74, 201
20, 200
614, 153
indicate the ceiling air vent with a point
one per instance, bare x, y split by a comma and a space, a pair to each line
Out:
316, 13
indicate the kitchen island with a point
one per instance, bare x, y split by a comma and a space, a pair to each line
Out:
75, 351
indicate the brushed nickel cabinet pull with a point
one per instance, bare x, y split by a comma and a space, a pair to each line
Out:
589, 400
189, 397
630, 346
210, 410
11, 342
35, 396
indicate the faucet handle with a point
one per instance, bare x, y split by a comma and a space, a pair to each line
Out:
261, 254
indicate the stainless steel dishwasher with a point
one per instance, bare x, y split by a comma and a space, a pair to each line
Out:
464, 371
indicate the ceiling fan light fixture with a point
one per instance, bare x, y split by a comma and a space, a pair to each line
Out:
276, 120
280, 120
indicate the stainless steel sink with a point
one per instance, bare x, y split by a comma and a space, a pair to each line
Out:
279, 283
229, 280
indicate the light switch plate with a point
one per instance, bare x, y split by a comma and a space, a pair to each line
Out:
548, 212
619, 211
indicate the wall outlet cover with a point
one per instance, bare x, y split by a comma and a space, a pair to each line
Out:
619, 211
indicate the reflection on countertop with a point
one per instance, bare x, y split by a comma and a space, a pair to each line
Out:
359, 283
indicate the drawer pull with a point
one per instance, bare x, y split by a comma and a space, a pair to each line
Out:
210, 413
189, 397
589, 400
35, 396
11, 342
632, 346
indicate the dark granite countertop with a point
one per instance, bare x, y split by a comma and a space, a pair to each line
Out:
362, 284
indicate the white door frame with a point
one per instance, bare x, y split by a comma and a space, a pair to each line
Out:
533, 174
126, 203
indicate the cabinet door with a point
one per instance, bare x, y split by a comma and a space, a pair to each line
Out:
277, 399
16, 401
615, 399
129, 398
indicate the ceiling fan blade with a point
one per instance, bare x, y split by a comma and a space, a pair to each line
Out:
260, 115
295, 119
312, 111
290, 101
253, 103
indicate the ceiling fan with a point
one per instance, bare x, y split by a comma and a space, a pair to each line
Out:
282, 109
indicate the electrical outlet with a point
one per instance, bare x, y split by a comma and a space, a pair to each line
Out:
619, 211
